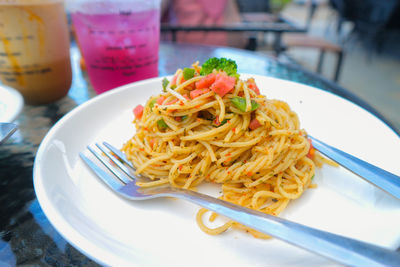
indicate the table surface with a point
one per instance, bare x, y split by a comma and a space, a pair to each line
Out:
26, 236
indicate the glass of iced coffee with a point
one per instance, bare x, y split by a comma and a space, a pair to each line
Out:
34, 49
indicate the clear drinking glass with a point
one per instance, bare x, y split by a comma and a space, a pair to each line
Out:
119, 39
34, 49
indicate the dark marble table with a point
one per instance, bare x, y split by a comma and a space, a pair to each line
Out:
26, 236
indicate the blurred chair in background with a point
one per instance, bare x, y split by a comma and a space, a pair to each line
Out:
255, 11
313, 42
370, 18
262, 11
204, 12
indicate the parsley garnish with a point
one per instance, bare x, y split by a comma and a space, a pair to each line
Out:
188, 73
165, 83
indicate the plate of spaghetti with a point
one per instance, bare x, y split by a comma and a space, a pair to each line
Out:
238, 137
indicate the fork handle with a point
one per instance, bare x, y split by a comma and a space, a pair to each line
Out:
377, 176
341, 249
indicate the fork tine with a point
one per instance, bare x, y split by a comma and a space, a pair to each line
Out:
116, 161
119, 154
105, 177
111, 168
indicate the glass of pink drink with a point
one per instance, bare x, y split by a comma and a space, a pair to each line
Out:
118, 39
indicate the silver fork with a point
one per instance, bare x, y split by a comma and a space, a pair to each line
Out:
338, 248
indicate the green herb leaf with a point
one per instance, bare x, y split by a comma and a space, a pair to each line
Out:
240, 103
254, 105
161, 124
184, 117
165, 83
173, 86
227, 65
151, 105
223, 122
188, 73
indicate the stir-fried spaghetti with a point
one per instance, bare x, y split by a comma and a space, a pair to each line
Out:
217, 128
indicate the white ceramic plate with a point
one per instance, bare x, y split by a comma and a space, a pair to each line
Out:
163, 232
11, 103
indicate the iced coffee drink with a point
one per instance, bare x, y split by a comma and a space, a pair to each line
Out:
34, 49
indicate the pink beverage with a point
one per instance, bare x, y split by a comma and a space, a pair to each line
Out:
118, 48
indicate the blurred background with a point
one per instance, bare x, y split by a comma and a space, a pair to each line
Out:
363, 35
368, 31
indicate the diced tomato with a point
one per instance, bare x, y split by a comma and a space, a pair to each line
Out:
206, 82
152, 141
186, 96
223, 84
173, 81
160, 100
253, 86
172, 102
254, 124
311, 152
182, 79
190, 86
138, 111
198, 92
217, 122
